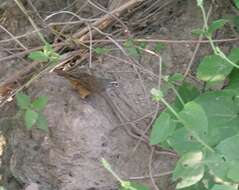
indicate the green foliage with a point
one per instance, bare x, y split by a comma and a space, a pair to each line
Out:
189, 169
132, 48
215, 25
203, 127
223, 187
48, 54
236, 3
32, 110
162, 129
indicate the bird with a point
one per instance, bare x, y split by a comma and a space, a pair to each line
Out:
86, 83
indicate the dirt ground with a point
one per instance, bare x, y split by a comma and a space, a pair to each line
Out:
82, 131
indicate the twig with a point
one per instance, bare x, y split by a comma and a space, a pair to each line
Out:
154, 176
13, 37
157, 107
150, 170
104, 21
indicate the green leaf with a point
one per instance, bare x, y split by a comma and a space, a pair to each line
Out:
233, 173
158, 47
195, 118
38, 56
177, 77
187, 92
182, 141
229, 148
157, 94
234, 55
162, 129
233, 80
23, 101
217, 24
221, 111
40, 102
131, 48
30, 118
213, 68
223, 187
198, 32
42, 123
189, 169
236, 3
133, 186
217, 166
102, 50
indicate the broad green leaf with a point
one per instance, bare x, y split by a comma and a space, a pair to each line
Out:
234, 55
182, 141
133, 186
38, 56
195, 118
233, 80
162, 129
223, 187
217, 166
221, 111
189, 169
229, 148
187, 92
23, 101
233, 172
30, 118
217, 24
237, 3
219, 107
213, 68
40, 102
42, 123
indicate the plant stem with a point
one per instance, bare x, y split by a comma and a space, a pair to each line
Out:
177, 94
216, 49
